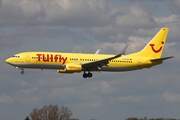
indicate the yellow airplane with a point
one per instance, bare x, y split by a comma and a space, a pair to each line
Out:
149, 56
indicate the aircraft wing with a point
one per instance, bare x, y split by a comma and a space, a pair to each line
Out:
96, 65
99, 63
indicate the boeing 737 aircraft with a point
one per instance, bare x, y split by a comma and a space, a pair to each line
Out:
149, 56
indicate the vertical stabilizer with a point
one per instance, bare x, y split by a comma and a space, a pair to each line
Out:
155, 47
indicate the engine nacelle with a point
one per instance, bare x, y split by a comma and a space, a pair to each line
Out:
71, 68
64, 71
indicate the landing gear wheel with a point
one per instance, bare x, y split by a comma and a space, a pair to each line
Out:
90, 75
22, 72
85, 75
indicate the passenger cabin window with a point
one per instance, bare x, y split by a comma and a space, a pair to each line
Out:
34, 57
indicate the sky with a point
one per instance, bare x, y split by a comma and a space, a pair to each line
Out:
85, 26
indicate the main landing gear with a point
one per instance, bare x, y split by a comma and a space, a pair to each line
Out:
85, 75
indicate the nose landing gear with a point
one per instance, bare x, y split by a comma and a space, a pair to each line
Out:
85, 75
22, 72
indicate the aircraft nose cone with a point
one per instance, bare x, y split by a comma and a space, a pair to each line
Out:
8, 60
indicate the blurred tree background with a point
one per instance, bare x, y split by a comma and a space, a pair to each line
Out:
51, 112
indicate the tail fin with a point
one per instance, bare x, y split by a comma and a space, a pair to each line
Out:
155, 47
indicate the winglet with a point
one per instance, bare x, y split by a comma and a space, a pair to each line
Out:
97, 52
124, 50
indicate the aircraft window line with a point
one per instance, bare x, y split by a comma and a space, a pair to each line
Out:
124, 60
81, 59
34, 57
75, 59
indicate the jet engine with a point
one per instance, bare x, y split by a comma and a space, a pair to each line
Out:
71, 68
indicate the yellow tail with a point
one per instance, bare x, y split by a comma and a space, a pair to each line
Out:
155, 47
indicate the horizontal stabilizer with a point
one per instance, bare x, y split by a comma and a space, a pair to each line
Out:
161, 59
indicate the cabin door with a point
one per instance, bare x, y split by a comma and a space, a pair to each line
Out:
139, 62
27, 58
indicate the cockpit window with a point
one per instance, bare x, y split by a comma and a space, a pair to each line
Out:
16, 56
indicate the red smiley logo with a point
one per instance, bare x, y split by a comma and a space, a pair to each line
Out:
156, 51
